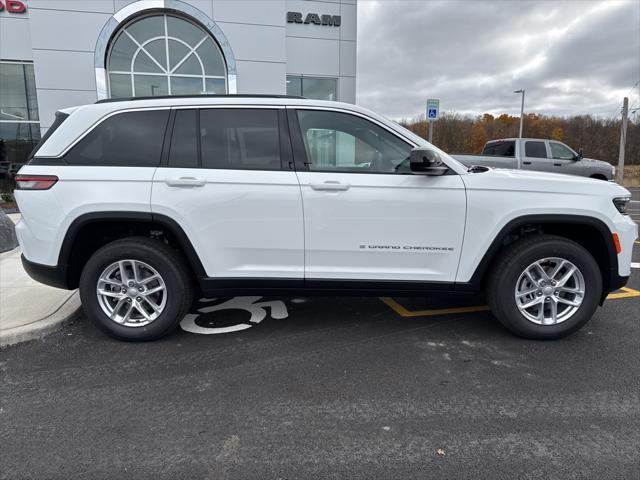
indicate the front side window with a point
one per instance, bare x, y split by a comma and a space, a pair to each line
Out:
19, 121
535, 150
337, 141
130, 139
560, 151
165, 55
240, 138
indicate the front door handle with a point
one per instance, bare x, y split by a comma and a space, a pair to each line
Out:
330, 185
185, 182
526, 163
557, 164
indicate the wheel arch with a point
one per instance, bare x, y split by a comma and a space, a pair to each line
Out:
90, 231
590, 232
598, 176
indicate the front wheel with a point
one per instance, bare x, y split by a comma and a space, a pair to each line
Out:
136, 289
544, 287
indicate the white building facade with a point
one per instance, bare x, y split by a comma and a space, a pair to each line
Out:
59, 53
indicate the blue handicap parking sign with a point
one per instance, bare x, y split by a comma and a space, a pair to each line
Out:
433, 113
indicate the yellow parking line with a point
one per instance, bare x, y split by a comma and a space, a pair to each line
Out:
403, 312
626, 293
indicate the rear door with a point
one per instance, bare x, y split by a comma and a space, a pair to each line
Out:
536, 156
228, 181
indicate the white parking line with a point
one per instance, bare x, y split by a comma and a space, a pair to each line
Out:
635, 265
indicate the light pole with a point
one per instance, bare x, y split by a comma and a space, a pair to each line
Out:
521, 110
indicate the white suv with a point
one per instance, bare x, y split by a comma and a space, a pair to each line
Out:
143, 203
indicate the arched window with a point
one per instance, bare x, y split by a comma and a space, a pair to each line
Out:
165, 55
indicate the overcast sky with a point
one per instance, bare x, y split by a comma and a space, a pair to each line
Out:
572, 57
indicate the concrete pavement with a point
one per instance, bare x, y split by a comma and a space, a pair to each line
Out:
28, 309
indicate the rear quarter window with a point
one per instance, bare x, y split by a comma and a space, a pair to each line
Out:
128, 139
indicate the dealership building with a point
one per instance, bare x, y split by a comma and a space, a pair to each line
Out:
59, 53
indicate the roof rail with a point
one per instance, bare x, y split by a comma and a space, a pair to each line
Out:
226, 95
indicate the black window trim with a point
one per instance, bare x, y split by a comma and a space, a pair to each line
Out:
300, 153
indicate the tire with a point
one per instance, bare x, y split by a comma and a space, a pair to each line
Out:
171, 291
508, 277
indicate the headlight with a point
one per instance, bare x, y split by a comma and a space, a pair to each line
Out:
622, 203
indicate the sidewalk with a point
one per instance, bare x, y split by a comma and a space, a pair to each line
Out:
28, 309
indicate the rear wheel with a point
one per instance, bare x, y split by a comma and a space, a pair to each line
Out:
136, 289
544, 287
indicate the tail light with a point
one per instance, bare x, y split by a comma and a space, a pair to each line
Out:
35, 182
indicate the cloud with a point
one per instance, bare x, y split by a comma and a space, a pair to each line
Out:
571, 57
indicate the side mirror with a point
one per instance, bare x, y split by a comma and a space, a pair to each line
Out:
424, 161
579, 156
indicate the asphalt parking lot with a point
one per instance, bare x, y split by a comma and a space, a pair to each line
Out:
328, 388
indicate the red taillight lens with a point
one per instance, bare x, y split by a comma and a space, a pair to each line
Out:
35, 182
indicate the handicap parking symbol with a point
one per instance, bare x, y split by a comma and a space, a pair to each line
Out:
433, 113
256, 310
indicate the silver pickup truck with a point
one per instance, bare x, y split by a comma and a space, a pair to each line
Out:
538, 154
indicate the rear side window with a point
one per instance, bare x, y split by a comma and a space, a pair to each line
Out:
500, 149
184, 141
535, 149
239, 138
130, 139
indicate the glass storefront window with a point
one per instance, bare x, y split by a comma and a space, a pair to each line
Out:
317, 88
19, 121
165, 55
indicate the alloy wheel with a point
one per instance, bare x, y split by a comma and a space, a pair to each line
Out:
550, 291
131, 293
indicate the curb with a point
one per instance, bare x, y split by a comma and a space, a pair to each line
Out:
66, 312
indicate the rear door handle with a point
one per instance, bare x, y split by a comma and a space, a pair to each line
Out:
557, 164
330, 185
526, 163
185, 182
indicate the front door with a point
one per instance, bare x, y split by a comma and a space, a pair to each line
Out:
564, 159
366, 217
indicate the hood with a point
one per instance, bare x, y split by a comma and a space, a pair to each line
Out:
542, 182
598, 163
